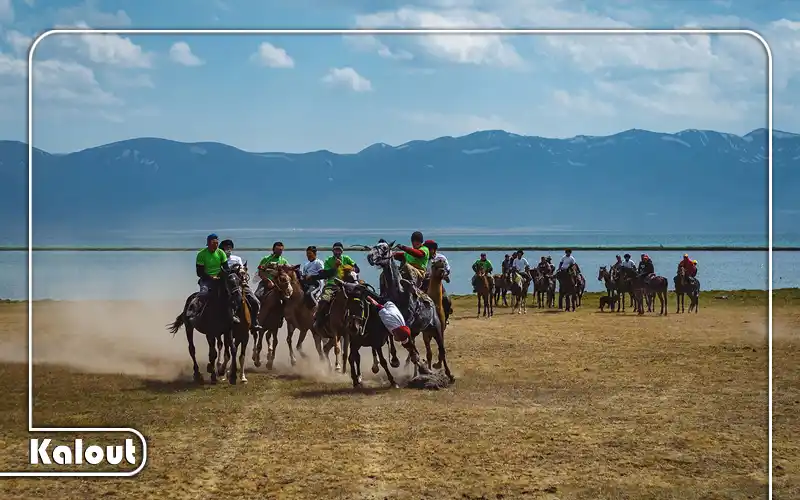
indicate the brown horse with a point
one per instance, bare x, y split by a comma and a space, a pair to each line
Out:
436, 293
500, 289
624, 286
567, 288
580, 287
686, 286
484, 291
657, 285
541, 287
299, 310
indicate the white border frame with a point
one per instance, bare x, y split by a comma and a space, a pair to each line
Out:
32, 428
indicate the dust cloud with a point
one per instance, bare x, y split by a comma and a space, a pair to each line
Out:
129, 337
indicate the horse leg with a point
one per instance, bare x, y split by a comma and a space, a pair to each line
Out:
395, 363
232, 351
289, 334
345, 354
375, 362
355, 367
337, 351
426, 339
258, 339
662, 299
242, 350
385, 366
272, 348
479, 306
330, 344
300, 339
190, 339
223, 353
439, 336
212, 357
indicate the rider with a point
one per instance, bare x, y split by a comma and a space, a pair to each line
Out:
550, 263
415, 259
568, 261
266, 268
646, 268
695, 268
628, 266
312, 267
617, 266
335, 266
252, 300
433, 247
505, 267
688, 266
486, 265
210, 261
520, 266
543, 266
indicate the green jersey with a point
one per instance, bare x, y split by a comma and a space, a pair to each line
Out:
485, 264
211, 261
330, 265
420, 263
273, 260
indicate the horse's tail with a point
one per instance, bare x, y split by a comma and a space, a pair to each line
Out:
175, 325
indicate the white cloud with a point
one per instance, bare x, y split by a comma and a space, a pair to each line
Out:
347, 77
6, 11
465, 49
30, 3
89, 13
19, 42
181, 53
272, 56
127, 80
112, 50
581, 104
369, 43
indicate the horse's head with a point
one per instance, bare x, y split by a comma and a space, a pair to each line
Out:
602, 274
284, 280
356, 307
437, 268
381, 254
481, 272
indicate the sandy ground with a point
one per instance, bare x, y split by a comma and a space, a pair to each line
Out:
582, 405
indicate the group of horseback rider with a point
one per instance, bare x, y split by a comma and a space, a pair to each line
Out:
516, 269
317, 277
646, 270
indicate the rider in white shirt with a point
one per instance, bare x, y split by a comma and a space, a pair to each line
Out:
433, 248
313, 267
566, 261
252, 300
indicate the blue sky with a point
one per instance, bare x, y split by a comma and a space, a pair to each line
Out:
294, 93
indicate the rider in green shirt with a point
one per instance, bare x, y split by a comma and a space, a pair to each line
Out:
266, 268
209, 264
339, 266
486, 265
414, 258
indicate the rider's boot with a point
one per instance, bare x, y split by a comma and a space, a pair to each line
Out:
322, 312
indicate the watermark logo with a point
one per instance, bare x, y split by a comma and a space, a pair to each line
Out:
42, 452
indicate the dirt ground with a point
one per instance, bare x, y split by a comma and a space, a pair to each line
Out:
581, 405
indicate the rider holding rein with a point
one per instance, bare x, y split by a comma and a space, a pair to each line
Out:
415, 259
335, 266
266, 268
210, 262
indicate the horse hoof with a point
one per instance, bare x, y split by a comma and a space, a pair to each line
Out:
451, 378
232, 380
197, 378
269, 365
395, 363
375, 368
244, 380
210, 368
437, 365
293, 361
213, 378
221, 371
394, 385
256, 363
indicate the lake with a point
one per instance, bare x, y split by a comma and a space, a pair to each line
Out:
85, 275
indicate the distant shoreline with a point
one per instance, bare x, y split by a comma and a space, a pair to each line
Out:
465, 248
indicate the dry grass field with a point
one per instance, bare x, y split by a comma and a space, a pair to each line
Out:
581, 405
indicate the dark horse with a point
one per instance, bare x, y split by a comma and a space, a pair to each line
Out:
604, 275
364, 328
685, 285
211, 319
417, 308
655, 285
567, 287
623, 281
541, 288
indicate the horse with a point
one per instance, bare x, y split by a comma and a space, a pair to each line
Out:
684, 285
567, 287
580, 287
298, 310
657, 285
604, 275
270, 316
500, 289
240, 332
519, 291
212, 319
484, 292
418, 308
363, 327
541, 287
624, 285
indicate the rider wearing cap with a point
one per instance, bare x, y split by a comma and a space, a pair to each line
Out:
433, 247
252, 300
210, 262
486, 265
266, 268
646, 268
415, 259
338, 266
688, 266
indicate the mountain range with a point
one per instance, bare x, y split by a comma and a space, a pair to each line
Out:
634, 181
